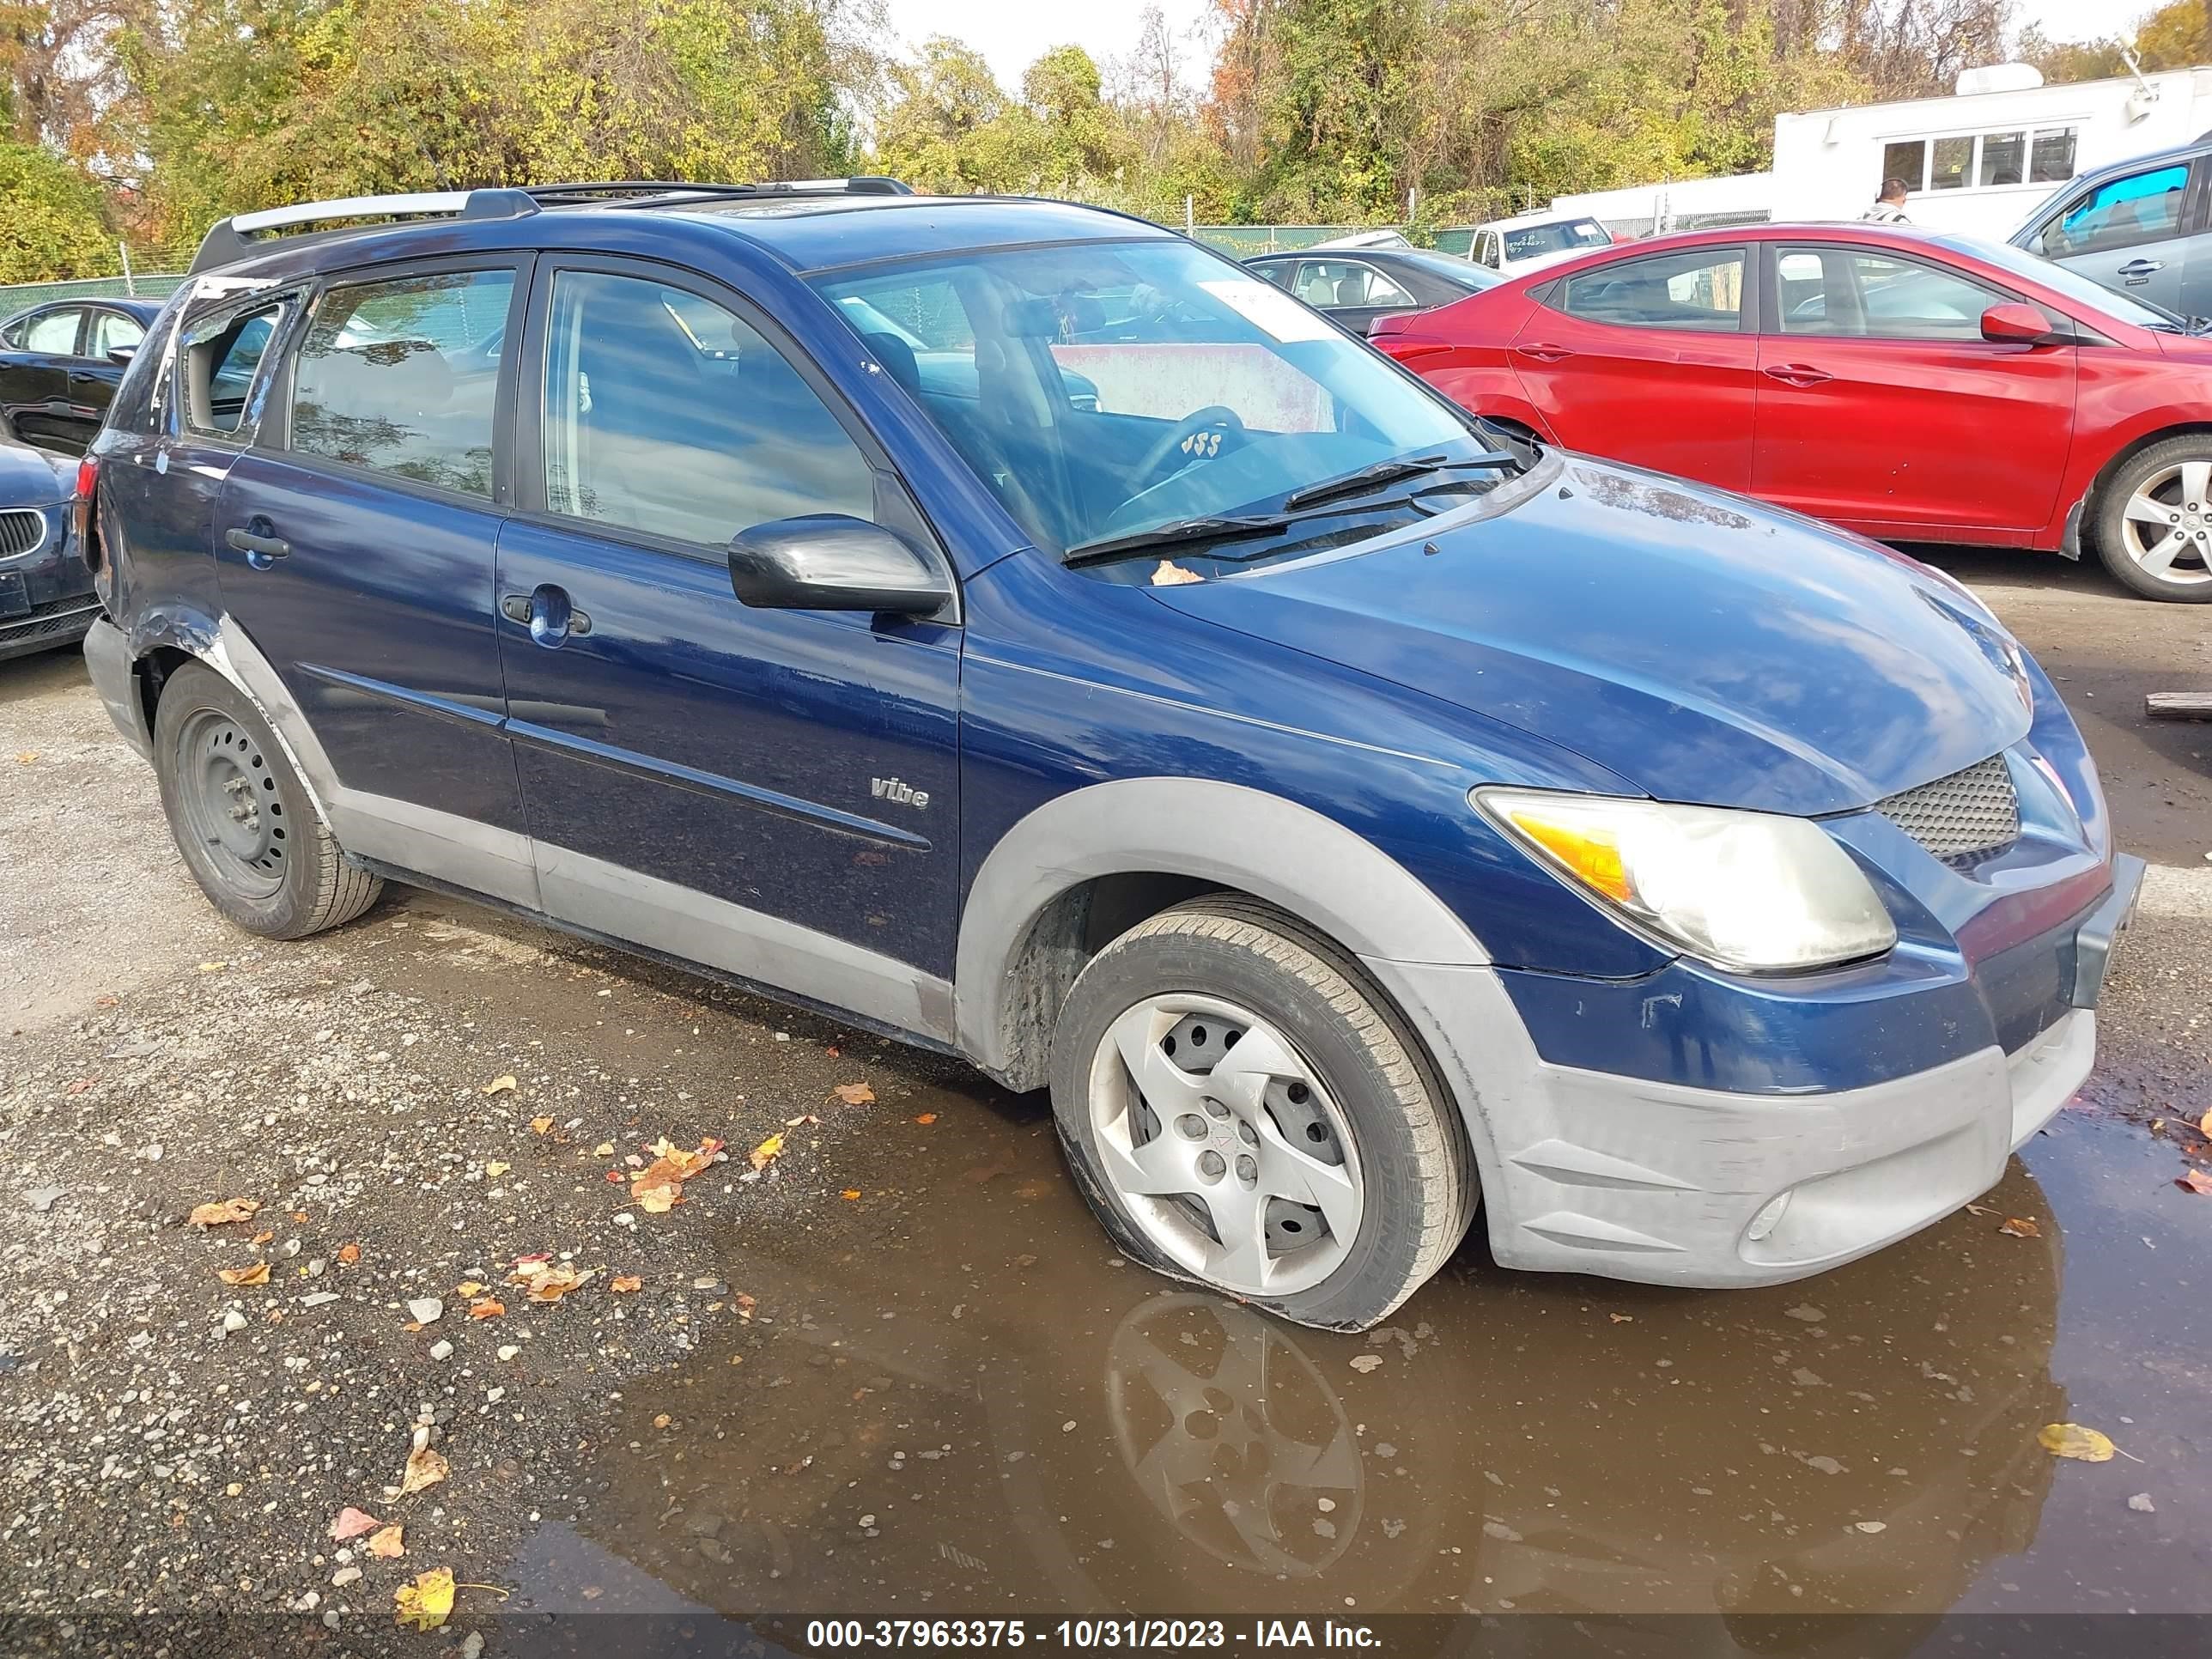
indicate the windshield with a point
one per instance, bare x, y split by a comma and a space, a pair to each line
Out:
2062, 279
1533, 241
1106, 389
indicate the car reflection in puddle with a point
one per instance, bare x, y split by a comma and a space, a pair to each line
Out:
952, 1399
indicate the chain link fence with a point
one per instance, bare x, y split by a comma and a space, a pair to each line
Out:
21, 296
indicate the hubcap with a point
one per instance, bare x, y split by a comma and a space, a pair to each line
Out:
1224, 1146
2168, 524
229, 798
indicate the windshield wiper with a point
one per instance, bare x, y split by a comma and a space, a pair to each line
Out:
1388, 472
1180, 532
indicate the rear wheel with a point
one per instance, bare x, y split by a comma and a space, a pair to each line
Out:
1243, 1110
242, 818
2155, 521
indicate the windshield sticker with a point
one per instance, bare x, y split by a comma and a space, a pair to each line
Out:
1269, 309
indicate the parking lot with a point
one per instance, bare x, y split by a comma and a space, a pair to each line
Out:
898, 1366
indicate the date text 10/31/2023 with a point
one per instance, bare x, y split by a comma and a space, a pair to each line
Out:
1084, 1634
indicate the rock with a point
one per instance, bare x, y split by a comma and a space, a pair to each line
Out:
509, 1351
493, 1396
473, 1644
2140, 1503
708, 1524
441, 1349
1825, 1465
329, 1619
317, 1298
232, 1320
426, 1310
343, 1577
43, 1199
1807, 1312
315, 1266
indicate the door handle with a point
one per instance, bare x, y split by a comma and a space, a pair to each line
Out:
546, 610
2142, 267
1798, 373
1545, 354
260, 541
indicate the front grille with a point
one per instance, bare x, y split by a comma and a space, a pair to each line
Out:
1973, 811
22, 528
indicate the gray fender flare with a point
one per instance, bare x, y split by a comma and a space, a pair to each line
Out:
1290, 855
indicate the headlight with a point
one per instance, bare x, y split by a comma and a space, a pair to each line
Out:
1755, 892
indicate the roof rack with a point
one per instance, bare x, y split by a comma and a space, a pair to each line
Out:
231, 239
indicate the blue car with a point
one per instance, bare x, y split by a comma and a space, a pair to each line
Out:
46, 592
1354, 817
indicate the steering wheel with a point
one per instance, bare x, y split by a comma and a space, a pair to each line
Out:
1199, 436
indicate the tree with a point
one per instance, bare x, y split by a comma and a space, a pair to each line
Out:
52, 226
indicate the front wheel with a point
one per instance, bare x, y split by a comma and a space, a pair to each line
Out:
1243, 1110
2155, 521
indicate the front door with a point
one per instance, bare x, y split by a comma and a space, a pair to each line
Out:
1881, 406
2133, 232
356, 542
1649, 360
771, 793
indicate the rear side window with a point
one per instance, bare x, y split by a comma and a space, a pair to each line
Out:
1698, 289
666, 413
402, 377
53, 332
221, 360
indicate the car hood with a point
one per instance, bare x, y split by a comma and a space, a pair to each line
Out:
32, 477
1704, 647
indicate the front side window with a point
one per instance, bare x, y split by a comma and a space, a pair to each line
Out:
112, 331
667, 414
221, 360
402, 377
2143, 207
1106, 389
1842, 292
53, 332
1699, 288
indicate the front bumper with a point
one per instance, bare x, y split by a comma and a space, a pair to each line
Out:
45, 593
1625, 1177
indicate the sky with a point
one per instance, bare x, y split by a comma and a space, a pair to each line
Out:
1012, 34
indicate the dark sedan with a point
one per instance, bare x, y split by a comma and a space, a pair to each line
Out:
1356, 286
45, 592
60, 364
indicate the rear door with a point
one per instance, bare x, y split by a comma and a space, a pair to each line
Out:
774, 792
1651, 360
2133, 232
96, 374
1881, 406
34, 377
356, 542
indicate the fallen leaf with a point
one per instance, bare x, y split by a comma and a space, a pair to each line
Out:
486, 1307
927, 1117
538, 1126
2072, 1440
427, 1602
767, 1152
543, 1278
2196, 1182
2019, 1227
745, 1304
625, 1283
494, 1169
1979, 1209
657, 1200
386, 1543
256, 1274
856, 1094
1365, 1362
1622, 1319
2204, 1125
467, 1287
425, 1467
229, 1210
1171, 575
261, 1238
658, 1187
805, 1117
300, 1216
351, 1523
25, 757
500, 1086
662, 1421
213, 967
852, 1192
604, 1149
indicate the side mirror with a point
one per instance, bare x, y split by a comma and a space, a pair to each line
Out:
2015, 322
120, 355
831, 561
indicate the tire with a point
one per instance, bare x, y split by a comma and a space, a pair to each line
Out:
1329, 1097
2167, 478
241, 817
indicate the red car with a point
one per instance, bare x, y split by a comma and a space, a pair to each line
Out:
1909, 385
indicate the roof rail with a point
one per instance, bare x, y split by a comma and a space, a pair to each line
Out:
859, 184
231, 239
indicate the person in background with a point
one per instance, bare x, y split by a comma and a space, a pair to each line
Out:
1888, 208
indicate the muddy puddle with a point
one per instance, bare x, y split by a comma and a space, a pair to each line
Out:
951, 1397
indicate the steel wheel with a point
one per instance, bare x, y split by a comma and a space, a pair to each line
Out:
228, 794
1226, 1146
2165, 528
